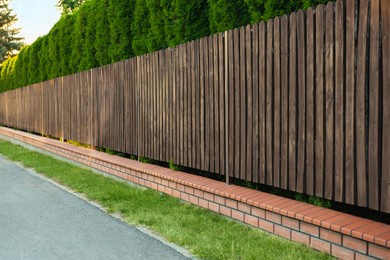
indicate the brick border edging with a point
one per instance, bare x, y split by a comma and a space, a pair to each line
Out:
232, 201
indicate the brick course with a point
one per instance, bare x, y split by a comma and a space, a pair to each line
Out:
293, 220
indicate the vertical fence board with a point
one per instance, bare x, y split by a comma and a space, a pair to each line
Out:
256, 104
301, 100
269, 103
329, 100
339, 102
237, 157
243, 97
284, 101
310, 108
350, 104
277, 104
292, 103
262, 106
360, 104
319, 103
249, 98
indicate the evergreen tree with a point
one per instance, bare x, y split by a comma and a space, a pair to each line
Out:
156, 37
88, 59
140, 28
78, 38
34, 62
226, 14
313, 3
68, 6
102, 41
190, 20
9, 42
168, 21
256, 9
121, 17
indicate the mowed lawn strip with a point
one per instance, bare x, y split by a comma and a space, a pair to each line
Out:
204, 233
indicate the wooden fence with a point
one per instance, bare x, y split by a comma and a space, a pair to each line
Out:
301, 102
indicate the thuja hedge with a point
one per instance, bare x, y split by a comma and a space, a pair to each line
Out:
106, 31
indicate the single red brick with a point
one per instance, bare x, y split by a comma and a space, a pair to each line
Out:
219, 199
258, 212
320, 245
378, 251
355, 244
238, 215
244, 207
225, 211
276, 218
194, 200
203, 203
231, 203
214, 207
189, 190
310, 229
164, 182
176, 194
300, 237
168, 191
342, 253
208, 196
251, 220
180, 187
330, 236
184, 196
172, 185
153, 185
160, 188
198, 193
283, 231
291, 223
266, 225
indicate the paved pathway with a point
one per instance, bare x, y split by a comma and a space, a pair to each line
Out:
39, 220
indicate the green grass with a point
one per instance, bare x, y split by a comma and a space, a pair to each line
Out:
206, 234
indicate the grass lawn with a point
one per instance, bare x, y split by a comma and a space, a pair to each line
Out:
206, 234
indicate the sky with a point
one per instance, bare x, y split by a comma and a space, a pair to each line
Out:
35, 17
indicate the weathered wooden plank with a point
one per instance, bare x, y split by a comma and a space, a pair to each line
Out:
184, 107
202, 103
217, 129
361, 81
301, 88
373, 143
231, 102
243, 104
319, 102
237, 154
339, 101
269, 104
310, 108
207, 105
284, 101
249, 106
277, 103
385, 187
262, 106
329, 107
256, 105
222, 112
293, 103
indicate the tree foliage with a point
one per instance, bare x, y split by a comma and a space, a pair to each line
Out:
93, 33
9, 42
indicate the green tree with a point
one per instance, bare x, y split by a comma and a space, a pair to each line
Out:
68, 6
190, 20
312, 3
65, 27
34, 62
78, 38
88, 59
9, 42
121, 17
226, 14
256, 9
140, 28
102, 41
157, 39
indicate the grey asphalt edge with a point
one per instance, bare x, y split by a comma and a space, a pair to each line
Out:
117, 216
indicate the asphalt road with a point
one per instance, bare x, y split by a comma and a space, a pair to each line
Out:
39, 220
